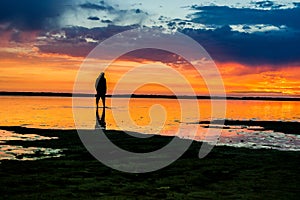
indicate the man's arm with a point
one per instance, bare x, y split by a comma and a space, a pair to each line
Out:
96, 83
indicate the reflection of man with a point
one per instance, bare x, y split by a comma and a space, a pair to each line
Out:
100, 87
100, 123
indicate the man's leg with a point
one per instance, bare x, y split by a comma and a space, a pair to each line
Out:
103, 100
97, 100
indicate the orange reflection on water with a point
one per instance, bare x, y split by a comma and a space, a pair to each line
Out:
151, 116
37, 112
53, 112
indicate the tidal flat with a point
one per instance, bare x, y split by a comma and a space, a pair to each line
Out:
225, 173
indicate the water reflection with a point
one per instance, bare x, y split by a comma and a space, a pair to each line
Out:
53, 112
17, 152
100, 122
8, 135
255, 137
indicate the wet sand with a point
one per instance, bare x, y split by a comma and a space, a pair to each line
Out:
226, 173
278, 126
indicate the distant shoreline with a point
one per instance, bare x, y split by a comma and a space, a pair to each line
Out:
52, 94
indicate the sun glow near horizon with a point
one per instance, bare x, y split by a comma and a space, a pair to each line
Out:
57, 73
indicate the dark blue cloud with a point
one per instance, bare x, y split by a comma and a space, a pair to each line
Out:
94, 18
267, 4
256, 48
297, 4
106, 21
137, 11
264, 4
74, 43
223, 15
101, 6
225, 45
31, 14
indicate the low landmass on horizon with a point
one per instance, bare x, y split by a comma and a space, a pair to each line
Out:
53, 94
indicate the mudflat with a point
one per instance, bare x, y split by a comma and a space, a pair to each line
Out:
226, 173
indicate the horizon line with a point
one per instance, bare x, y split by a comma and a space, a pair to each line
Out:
64, 94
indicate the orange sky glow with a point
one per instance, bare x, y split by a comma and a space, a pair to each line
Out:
27, 69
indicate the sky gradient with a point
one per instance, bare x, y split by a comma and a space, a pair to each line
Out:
255, 44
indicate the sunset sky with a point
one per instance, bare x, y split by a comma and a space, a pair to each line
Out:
255, 44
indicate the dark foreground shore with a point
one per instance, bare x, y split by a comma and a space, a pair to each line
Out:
226, 173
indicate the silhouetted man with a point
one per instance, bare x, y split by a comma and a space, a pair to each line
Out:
100, 86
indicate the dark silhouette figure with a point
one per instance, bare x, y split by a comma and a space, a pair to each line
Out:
100, 123
100, 87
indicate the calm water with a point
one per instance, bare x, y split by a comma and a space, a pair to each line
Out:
154, 116
56, 113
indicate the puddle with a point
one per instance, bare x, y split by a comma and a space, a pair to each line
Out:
12, 152
256, 137
9, 135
